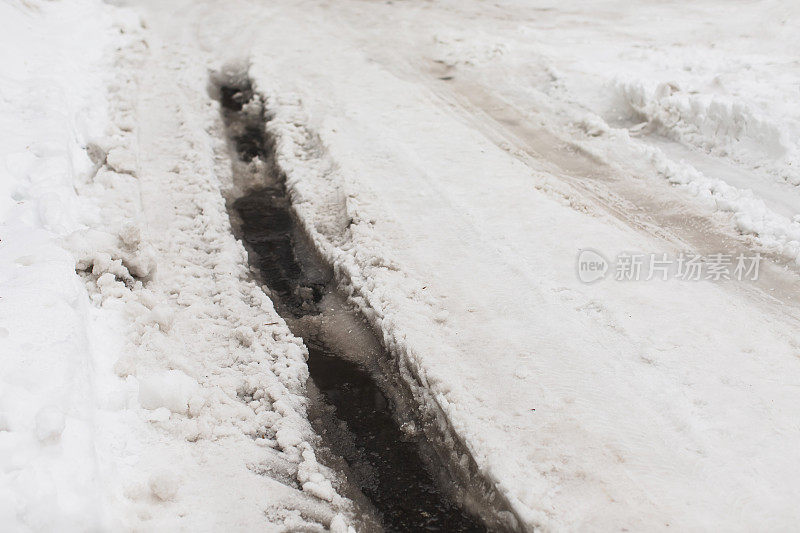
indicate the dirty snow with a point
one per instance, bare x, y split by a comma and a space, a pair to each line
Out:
449, 159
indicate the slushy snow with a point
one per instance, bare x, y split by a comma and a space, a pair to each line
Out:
449, 159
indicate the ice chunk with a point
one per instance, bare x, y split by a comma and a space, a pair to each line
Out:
172, 389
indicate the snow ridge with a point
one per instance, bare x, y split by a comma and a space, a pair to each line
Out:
332, 221
219, 375
170, 395
51, 101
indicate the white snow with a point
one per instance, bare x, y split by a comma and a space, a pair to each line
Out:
49, 90
140, 387
608, 406
450, 160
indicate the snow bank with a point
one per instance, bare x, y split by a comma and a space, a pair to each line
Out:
751, 214
52, 100
146, 382
720, 124
375, 284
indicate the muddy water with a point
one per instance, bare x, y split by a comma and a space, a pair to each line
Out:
359, 423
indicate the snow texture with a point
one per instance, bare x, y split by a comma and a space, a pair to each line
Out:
449, 159
146, 381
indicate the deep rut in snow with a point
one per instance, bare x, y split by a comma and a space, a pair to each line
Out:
358, 413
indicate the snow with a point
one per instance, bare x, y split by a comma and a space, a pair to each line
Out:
139, 383
699, 75
173, 390
450, 160
621, 412
50, 82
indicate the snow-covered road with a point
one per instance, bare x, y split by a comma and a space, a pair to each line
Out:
449, 160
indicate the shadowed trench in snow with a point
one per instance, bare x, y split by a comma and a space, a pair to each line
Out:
355, 410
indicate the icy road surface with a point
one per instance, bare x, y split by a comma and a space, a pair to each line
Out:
450, 159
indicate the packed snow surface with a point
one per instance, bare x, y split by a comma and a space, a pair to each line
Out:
450, 160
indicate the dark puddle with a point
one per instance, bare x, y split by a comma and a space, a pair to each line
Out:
385, 463
357, 421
